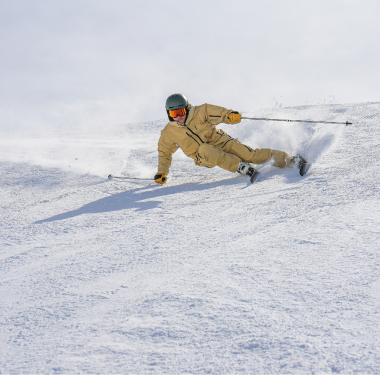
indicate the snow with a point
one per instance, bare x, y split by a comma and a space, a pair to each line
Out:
206, 274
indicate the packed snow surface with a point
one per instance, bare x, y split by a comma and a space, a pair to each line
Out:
206, 274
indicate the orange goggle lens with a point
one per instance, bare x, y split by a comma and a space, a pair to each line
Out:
175, 113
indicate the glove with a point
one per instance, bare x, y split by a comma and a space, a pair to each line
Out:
234, 117
160, 178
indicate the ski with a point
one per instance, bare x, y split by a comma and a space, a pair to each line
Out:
254, 176
302, 165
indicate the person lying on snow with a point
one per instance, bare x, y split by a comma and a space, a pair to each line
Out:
193, 129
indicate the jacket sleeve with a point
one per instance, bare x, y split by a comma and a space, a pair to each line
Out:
216, 114
165, 150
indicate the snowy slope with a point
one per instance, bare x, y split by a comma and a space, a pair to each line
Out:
206, 274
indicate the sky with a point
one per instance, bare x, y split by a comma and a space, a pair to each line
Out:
97, 63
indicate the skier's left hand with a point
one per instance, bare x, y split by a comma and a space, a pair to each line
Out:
234, 117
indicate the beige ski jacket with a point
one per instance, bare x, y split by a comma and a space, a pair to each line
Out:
199, 128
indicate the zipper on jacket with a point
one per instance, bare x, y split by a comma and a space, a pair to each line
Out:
194, 135
231, 138
193, 138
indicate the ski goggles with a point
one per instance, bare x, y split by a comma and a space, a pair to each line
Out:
179, 112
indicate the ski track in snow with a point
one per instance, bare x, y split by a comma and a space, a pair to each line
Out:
207, 274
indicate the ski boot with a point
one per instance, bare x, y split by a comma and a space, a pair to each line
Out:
247, 169
300, 162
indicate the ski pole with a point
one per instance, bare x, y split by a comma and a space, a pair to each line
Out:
299, 121
126, 177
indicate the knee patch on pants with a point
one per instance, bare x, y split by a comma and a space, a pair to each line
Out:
210, 156
281, 158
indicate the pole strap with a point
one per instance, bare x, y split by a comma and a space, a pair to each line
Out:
300, 121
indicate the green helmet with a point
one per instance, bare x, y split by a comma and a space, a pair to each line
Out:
176, 101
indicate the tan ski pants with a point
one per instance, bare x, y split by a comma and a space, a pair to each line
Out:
227, 153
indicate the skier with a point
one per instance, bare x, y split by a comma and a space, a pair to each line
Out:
193, 129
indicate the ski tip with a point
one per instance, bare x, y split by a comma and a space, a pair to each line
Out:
254, 177
110, 176
303, 165
303, 169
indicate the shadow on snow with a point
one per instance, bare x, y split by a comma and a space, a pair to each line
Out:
136, 198
141, 198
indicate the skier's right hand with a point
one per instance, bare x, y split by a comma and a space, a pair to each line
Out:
160, 178
234, 117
